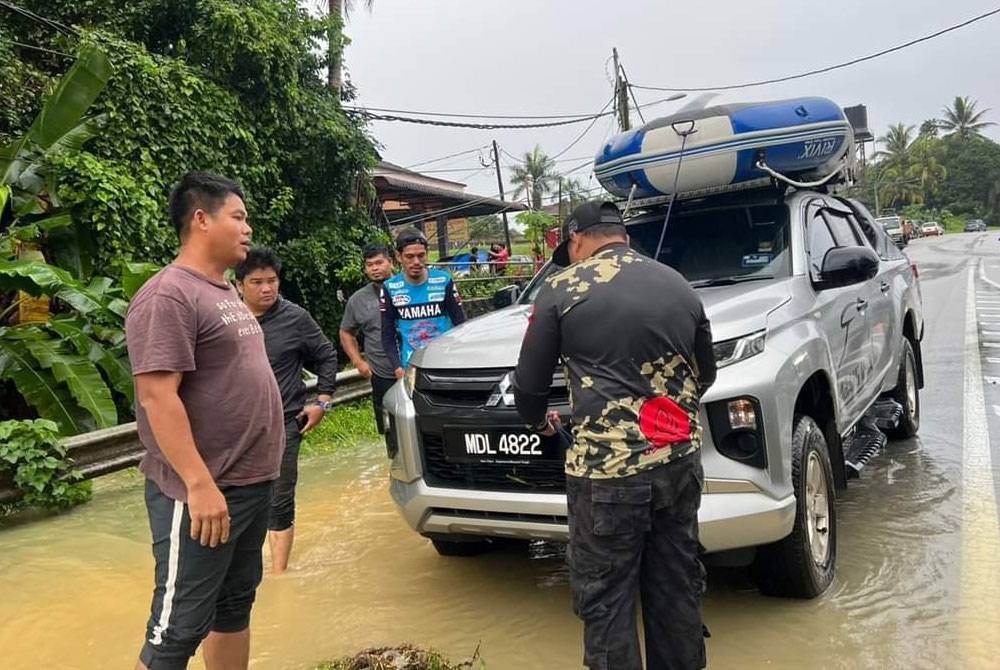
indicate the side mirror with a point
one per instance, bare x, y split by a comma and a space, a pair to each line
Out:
506, 296
843, 266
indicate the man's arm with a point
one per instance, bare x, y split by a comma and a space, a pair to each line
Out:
704, 354
321, 357
532, 379
157, 393
453, 304
350, 344
389, 342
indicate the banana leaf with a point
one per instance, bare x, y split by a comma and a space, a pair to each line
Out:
114, 364
79, 375
37, 386
60, 118
38, 278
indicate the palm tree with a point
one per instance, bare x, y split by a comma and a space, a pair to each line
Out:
536, 176
962, 119
925, 167
930, 127
896, 141
341, 9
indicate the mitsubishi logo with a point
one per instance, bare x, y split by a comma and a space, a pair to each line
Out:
502, 393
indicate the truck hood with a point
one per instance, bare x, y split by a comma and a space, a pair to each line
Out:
494, 340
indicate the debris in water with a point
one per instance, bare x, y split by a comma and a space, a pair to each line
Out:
403, 657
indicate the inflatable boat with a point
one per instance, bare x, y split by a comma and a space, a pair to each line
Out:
801, 138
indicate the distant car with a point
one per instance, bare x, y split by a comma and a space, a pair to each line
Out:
893, 225
975, 226
931, 228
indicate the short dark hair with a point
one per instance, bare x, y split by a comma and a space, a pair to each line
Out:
258, 258
604, 230
199, 190
373, 249
410, 236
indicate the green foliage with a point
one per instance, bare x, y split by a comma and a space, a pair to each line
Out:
535, 223
536, 176
231, 86
32, 457
485, 229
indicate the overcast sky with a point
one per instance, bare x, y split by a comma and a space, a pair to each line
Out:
552, 57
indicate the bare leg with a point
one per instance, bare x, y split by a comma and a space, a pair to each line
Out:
280, 542
140, 666
227, 651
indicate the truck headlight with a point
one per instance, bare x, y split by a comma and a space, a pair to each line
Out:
738, 349
409, 380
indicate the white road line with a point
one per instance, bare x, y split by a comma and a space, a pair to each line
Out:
990, 333
993, 361
979, 614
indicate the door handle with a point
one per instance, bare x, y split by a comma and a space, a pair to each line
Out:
862, 304
884, 287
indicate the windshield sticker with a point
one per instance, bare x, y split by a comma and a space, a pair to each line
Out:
756, 260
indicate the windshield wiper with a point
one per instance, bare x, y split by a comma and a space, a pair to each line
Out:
727, 281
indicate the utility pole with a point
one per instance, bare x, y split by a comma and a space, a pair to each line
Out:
621, 95
506, 224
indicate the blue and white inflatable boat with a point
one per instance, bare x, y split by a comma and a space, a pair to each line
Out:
800, 138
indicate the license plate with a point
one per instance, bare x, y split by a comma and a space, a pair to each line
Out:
500, 446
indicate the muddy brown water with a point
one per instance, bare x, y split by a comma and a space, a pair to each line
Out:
74, 589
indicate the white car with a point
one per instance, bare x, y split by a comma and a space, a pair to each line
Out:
931, 228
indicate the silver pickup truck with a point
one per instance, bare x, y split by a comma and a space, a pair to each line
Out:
816, 317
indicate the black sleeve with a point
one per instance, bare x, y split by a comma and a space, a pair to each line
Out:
539, 356
389, 343
319, 354
704, 353
453, 304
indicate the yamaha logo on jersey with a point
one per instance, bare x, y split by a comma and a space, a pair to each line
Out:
421, 311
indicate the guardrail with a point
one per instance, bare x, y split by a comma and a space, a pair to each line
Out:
102, 452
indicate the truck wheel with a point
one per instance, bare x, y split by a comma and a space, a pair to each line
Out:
906, 394
803, 564
460, 547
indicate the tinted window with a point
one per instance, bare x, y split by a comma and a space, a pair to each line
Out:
820, 241
718, 243
842, 229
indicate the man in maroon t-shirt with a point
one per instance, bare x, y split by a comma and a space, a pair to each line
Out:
209, 414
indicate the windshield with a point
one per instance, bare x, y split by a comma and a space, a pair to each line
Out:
890, 223
721, 245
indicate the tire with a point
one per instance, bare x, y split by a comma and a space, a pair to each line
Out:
461, 547
906, 394
803, 564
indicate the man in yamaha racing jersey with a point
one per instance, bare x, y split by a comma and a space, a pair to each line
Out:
418, 304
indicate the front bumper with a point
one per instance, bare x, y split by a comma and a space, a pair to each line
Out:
725, 520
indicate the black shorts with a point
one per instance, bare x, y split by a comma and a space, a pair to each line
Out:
200, 589
380, 386
283, 499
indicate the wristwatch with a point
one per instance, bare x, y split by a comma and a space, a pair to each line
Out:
324, 404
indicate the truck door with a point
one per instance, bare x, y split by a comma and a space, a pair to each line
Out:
876, 293
843, 314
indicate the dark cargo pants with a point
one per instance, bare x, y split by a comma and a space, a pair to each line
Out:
632, 536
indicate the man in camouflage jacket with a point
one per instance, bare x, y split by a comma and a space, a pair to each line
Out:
637, 349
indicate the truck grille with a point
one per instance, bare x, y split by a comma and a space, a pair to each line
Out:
474, 387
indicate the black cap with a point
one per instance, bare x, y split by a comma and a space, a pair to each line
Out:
594, 213
408, 237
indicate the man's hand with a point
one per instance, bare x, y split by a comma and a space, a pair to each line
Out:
314, 414
399, 373
365, 369
209, 514
552, 423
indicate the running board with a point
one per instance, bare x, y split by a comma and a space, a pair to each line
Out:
868, 437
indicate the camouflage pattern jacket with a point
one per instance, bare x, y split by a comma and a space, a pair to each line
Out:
637, 348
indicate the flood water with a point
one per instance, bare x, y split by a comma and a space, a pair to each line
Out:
74, 588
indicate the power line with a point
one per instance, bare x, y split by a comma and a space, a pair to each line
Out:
477, 126
584, 133
27, 13
830, 68
42, 49
459, 115
435, 160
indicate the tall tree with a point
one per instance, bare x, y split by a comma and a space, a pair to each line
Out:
536, 176
926, 168
962, 119
340, 9
896, 145
930, 127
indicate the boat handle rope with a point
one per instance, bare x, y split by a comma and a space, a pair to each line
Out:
684, 134
762, 165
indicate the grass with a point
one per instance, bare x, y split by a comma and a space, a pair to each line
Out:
344, 426
404, 657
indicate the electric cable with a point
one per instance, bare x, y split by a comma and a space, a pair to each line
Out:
830, 68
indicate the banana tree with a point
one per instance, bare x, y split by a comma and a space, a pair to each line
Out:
66, 366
